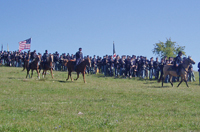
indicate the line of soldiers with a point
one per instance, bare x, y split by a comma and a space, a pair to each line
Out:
125, 66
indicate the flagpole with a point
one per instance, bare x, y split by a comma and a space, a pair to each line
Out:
7, 48
114, 53
2, 47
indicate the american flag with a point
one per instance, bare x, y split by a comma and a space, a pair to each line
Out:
26, 44
114, 54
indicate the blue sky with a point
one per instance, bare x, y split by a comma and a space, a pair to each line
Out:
134, 25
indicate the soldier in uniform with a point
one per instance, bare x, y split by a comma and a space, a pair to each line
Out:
79, 57
56, 60
122, 66
161, 65
171, 60
151, 68
146, 69
94, 65
178, 61
99, 63
110, 65
199, 71
72, 57
60, 67
69, 57
104, 63
116, 66
156, 68
33, 55
191, 76
17, 59
133, 66
12, 58
128, 67
45, 56
142, 66
138, 66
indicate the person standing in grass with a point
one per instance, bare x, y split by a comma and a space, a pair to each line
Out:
191, 76
199, 71
156, 68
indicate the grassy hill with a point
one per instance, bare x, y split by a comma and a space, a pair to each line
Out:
103, 104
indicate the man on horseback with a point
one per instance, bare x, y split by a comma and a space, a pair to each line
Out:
45, 58
33, 55
79, 57
178, 60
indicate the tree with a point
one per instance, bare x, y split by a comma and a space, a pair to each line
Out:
169, 49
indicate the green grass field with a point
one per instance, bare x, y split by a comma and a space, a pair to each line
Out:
106, 104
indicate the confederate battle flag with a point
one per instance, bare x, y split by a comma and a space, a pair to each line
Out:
26, 44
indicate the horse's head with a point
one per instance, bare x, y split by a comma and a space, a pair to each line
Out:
65, 62
191, 60
51, 58
88, 61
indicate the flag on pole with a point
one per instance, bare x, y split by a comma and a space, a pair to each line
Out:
114, 53
2, 47
26, 44
7, 48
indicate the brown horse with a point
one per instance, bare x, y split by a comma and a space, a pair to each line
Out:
47, 66
79, 68
169, 70
33, 66
26, 64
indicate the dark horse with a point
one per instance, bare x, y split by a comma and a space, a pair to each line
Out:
169, 70
79, 68
33, 66
47, 66
26, 64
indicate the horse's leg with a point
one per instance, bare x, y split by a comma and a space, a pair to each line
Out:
185, 79
27, 73
180, 82
186, 83
83, 73
23, 67
31, 73
170, 80
43, 74
68, 76
77, 76
51, 73
71, 76
162, 78
38, 73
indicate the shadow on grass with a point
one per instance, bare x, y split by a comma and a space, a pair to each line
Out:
11, 78
161, 87
150, 82
64, 81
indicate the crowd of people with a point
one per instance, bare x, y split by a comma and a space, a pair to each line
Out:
125, 66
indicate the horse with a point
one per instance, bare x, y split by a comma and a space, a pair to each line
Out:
33, 66
79, 68
48, 65
170, 70
26, 64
